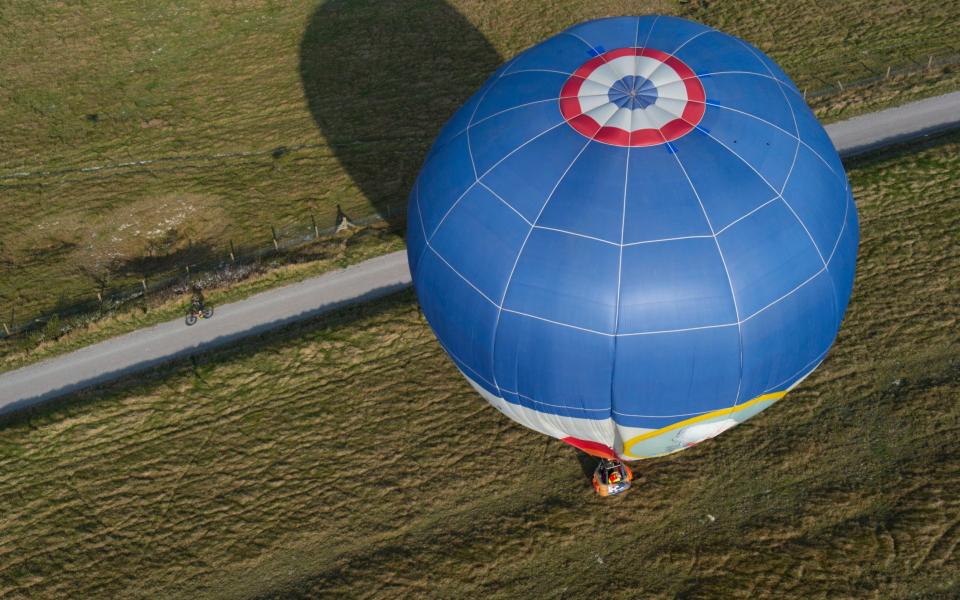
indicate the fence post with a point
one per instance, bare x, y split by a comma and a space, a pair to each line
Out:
930, 62
273, 232
143, 282
840, 83
887, 76
6, 329
316, 230
188, 273
233, 256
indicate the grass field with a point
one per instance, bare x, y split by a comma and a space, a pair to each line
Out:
216, 121
348, 457
59, 336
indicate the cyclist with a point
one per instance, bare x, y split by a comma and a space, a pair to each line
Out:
197, 298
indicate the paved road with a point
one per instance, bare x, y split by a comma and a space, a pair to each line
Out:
152, 346
376, 277
895, 125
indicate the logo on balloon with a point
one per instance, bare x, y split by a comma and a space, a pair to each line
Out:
633, 97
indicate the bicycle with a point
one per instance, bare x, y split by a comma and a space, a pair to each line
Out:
196, 313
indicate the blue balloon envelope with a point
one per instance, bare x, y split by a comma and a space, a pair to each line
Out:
634, 236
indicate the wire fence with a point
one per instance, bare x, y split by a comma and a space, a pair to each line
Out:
233, 263
840, 75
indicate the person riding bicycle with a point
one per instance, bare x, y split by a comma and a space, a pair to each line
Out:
197, 298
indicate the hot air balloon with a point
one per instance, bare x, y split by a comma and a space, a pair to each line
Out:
634, 236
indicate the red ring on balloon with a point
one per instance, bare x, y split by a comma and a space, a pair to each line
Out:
574, 115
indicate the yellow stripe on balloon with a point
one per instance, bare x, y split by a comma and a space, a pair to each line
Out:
710, 415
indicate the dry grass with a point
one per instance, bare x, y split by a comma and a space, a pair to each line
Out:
260, 113
347, 457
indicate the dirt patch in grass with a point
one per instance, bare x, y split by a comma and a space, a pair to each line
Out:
348, 457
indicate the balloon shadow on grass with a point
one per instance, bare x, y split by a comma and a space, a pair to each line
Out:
381, 78
588, 463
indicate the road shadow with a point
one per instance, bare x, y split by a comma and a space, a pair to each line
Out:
899, 149
381, 78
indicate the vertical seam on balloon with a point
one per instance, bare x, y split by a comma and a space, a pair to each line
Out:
573, 233
673, 54
534, 401
705, 103
416, 198
493, 84
775, 126
585, 42
681, 330
473, 164
508, 205
542, 209
595, 52
710, 73
671, 239
484, 174
744, 216
457, 359
836, 244
623, 220
462, 276
518, 71
693, 414
450, 210
726, 270
819, 358
808, 280
506, 110
788, 294
623, 223
736, 72
506, 288
419, 262
474, 124
558, 323
796, 151
521, 146
440, 256
779, 195
794, 290
796, 127
646, 40
630, 334
795, 92
846, 213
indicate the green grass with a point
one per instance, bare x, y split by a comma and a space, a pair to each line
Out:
59, 336
348, 457
266, 113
